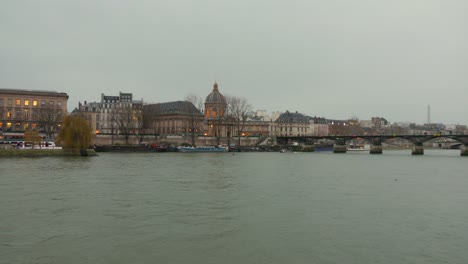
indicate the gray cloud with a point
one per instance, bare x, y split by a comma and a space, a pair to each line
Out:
328, 58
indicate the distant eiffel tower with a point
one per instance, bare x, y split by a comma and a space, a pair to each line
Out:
428, 114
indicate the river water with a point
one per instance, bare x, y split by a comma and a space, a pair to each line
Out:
235, 208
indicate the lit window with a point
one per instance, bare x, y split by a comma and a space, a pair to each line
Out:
34, 102
18, 101
34, 125
9, 114
26, 102
8, 125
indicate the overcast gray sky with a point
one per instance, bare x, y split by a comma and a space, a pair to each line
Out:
328, 58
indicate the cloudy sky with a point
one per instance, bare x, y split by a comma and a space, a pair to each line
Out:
331, 58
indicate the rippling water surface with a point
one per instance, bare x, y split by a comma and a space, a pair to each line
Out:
235, 208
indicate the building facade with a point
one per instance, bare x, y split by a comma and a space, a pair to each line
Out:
27, 109
114, 119
178, 118
320, 125
120, 114
292, 124
215, 110
92, 113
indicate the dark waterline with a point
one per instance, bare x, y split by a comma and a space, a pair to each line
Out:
235, 208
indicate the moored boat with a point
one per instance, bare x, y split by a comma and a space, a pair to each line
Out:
202, 149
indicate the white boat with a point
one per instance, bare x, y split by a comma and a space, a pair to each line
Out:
365, 147
202, 149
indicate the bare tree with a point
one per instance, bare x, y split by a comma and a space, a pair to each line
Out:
123, 117
239, 108
49, 117
150, 124
138, 121
196, 100
193, 115
229, 119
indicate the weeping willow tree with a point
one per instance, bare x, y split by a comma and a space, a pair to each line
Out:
76, 133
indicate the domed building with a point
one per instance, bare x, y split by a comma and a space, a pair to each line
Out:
215, 104
215, 109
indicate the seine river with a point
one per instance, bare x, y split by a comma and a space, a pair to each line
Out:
235, 208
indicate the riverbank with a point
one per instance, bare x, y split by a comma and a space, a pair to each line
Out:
46, 152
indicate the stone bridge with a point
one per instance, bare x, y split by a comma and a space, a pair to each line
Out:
376, 141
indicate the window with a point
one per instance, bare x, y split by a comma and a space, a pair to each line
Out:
1, 101
8, 124
9, 102
59, 103
26, 102
18, 101
9, 114
34, 102
43, 103
51, 103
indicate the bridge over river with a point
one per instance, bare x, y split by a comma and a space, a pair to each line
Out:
340, 142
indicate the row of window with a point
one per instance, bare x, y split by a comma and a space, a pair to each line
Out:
109, 101
8, 125
27, 114
27, 102
20, 125
301, 129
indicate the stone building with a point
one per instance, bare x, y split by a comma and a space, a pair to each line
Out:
173, 119
28, 109
256, 126
114, 119
120, 114
215, 110
92, 113
320, 125
292, 124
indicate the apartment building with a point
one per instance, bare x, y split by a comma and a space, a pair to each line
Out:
29, 109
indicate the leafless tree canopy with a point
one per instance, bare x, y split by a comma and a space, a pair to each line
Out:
196, 100
128, 120
48, 118
238, 110
192, 121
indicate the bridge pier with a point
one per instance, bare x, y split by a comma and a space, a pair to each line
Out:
376, 146
464, 150
376, 149
339, 148
418, 149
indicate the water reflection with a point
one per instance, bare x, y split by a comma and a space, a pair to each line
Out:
244, 208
